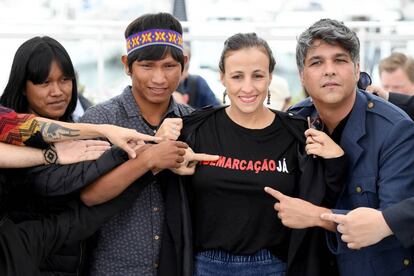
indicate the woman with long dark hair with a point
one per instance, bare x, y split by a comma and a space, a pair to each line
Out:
42, 80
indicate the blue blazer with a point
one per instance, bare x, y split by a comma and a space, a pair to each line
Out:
378, 139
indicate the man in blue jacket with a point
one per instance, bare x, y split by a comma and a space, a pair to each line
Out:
376, 136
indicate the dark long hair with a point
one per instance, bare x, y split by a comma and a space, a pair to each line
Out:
32, 61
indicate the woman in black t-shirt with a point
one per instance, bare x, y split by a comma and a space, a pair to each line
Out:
235, 228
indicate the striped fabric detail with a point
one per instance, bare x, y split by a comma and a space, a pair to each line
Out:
17, 128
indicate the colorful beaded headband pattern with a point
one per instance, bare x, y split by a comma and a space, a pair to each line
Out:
154, 37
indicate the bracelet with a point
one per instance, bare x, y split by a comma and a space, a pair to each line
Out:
50, 155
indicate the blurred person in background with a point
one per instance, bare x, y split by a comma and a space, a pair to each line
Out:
194, 89
279, 96
82, 103
397, 81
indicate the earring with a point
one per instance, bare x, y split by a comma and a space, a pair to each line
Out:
224, 96
268, 96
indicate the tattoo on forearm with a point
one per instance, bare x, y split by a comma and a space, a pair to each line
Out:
52, 132
50, 155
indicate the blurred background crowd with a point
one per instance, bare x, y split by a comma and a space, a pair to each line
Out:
91, 31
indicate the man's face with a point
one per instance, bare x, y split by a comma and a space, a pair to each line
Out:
153, 81
329, 75
397, 81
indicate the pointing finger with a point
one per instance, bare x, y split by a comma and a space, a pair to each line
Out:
204, 157
276, 194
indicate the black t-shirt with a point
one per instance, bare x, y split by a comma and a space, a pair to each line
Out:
230, 209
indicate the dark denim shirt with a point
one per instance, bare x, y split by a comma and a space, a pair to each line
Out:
129, 243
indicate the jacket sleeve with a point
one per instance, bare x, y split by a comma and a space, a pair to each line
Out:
84, 221
395, 174
400, 218
20, 129
25, 245
54, 180
404, 102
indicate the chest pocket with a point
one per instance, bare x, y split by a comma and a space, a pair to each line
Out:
362, 191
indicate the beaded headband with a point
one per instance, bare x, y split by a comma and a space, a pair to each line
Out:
154, 37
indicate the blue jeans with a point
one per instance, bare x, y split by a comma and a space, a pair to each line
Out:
222, 263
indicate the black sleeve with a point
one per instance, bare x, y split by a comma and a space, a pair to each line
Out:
405, 102
400, 218
84, 221
55, 180
335, 176
25, 245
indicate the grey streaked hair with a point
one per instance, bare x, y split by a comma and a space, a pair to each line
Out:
330, 31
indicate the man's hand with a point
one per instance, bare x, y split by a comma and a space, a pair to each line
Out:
361, 227
320, 144
165, 155
127, 139
190, 161
294, 212
73, 151
379, 91
170, 129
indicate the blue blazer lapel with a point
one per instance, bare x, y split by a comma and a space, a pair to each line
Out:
355, 130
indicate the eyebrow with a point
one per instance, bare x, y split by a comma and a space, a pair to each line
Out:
242, 72
236, 72
338, 55
335, 55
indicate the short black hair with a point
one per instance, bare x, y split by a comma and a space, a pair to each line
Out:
32, 61
154, 52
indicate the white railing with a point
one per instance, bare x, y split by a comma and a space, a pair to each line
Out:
385, 35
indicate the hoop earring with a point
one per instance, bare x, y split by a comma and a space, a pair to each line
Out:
224, 96
268, 96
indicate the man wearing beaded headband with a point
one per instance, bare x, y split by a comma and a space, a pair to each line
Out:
130, 243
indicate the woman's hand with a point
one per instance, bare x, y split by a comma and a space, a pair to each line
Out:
320, 144
170, 129
73, 151
127, 139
